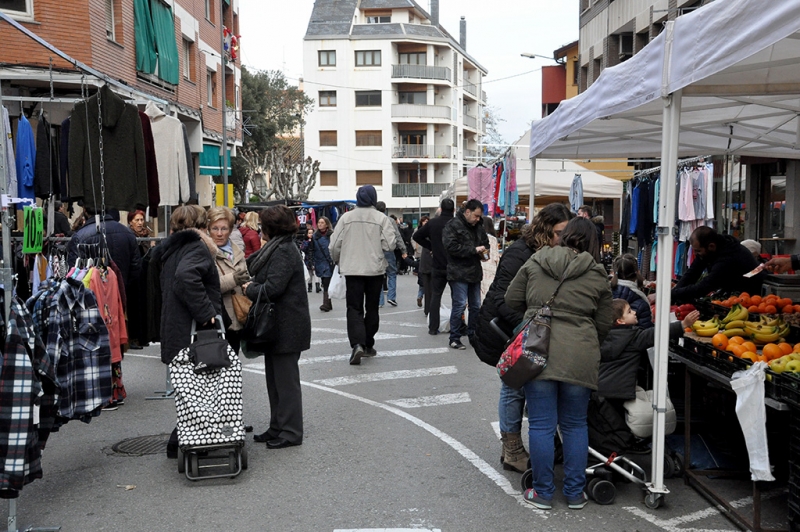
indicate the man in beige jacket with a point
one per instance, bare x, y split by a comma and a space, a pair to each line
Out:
357, 246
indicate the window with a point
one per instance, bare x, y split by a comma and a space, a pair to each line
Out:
211, 88
188, 60
327, 138
110, 20
368, 98
210, 11
327, 98
327, 58
369, 177
379, 19
416, 98
328, 178
369, 138
19, 8
409, 175
156, 47
417, 58
368, 58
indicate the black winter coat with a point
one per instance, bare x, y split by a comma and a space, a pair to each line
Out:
429, 236
283, 278
189, 288
622, 353
121, 246
460, 240
639, 305
488, 345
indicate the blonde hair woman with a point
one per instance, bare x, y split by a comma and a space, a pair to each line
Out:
249, 230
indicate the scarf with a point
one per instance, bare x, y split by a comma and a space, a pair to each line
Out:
144, 233
259, 259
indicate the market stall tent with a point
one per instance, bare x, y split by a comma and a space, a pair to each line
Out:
722, 79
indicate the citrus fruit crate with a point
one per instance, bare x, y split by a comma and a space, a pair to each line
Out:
706, 355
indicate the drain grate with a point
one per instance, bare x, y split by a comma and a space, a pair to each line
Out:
142, 445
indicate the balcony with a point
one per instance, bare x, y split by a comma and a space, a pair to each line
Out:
408, 110
483, 96
421, 72
470, 155
413, 190
471, 122
470, 88
421, 151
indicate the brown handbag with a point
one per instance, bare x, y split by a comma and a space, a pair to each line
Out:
241, 306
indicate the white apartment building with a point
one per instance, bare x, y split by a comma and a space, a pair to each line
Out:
392, 88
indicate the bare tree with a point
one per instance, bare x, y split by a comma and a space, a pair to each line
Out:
290, 177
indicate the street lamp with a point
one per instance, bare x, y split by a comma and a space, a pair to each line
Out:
533, 56
419, 193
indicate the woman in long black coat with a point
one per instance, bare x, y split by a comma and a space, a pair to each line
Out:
277, 268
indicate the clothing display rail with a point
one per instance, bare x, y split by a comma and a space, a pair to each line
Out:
682, 162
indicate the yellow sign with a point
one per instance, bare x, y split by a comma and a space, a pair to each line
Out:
220, 195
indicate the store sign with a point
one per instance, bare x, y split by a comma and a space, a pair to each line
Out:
34, 230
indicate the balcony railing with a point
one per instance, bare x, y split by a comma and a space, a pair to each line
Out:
421, 151
471, 121
421, 72
408, 110
483, 96
230, 119
470, 88
412, 190
470, 154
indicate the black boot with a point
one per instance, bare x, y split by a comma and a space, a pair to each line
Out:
327, 306
319, 288
309, 288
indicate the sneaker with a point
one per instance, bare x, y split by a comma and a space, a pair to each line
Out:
121, 402
531, 497
358, 352
392, 302
456, 344
578, 502
433, 333
110, 407
370, 352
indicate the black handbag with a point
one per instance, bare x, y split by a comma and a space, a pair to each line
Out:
209, 348
261, 319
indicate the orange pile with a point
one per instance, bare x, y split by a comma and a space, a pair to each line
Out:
770, 304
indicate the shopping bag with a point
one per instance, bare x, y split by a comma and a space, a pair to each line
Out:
525, 356
752, 414
337, 289
444, 318
639, 414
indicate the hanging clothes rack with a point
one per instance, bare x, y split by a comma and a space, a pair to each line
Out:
681, 163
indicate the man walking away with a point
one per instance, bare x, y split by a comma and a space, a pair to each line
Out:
429, 236
466, 243
358, 246
391, 260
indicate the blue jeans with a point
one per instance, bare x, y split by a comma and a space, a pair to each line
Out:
512, 403
463, 294
391, 277
551, 404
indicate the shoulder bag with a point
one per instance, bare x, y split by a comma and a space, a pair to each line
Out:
261, 318
241, 306
525, 356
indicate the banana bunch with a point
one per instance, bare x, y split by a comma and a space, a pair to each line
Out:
766, 330
737, 313
708, 327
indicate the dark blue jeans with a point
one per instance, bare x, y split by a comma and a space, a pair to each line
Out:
463, 294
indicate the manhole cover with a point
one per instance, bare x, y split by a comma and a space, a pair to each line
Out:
142, 445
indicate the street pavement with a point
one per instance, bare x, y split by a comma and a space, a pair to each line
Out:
408, 440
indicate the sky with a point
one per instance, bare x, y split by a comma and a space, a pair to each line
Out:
497, 33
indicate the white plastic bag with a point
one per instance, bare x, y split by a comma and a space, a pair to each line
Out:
444, 318
752, 414
307, 276
338, 288
639, 414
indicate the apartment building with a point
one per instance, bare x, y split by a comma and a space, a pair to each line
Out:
180, 65
399, 102
612, 31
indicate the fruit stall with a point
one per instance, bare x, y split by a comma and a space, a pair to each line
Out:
732, 333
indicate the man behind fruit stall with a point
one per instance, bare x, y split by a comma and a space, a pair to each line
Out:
724, 260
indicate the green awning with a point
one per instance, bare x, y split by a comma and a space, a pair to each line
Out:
167, 47
210, 160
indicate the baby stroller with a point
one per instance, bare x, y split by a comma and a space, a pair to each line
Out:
209, 406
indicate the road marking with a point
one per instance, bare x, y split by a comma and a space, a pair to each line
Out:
388, 376
496, 427
383, 313
387, 530
432, 400
405, 324
480, 464
379, 336
143, 356
381, 354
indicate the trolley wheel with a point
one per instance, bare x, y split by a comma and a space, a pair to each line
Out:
194, 466
653, 500
244, 457
181, 462
233, 462
590, 487
678, 465
527, 480
670, 468
602, 491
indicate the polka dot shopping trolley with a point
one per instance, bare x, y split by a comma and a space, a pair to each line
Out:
209, 406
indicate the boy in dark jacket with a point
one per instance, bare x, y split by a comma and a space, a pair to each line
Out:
625, 349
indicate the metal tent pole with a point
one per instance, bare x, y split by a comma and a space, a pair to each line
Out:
532, 196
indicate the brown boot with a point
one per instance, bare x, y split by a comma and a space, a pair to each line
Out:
326, 306
514, 457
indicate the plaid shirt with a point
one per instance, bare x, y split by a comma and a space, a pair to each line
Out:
20, 392
77, 337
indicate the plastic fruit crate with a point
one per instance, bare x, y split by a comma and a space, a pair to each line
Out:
788, 387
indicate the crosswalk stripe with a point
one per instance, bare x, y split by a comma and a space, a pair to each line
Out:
388, 375
431, 400
381, 354
344, 340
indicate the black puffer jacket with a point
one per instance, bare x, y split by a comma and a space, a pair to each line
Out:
488, 345
460, 239
283, 278
189, 288
429, 236
639, 305
621, 354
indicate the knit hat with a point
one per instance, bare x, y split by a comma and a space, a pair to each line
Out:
366, 196
752, 246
